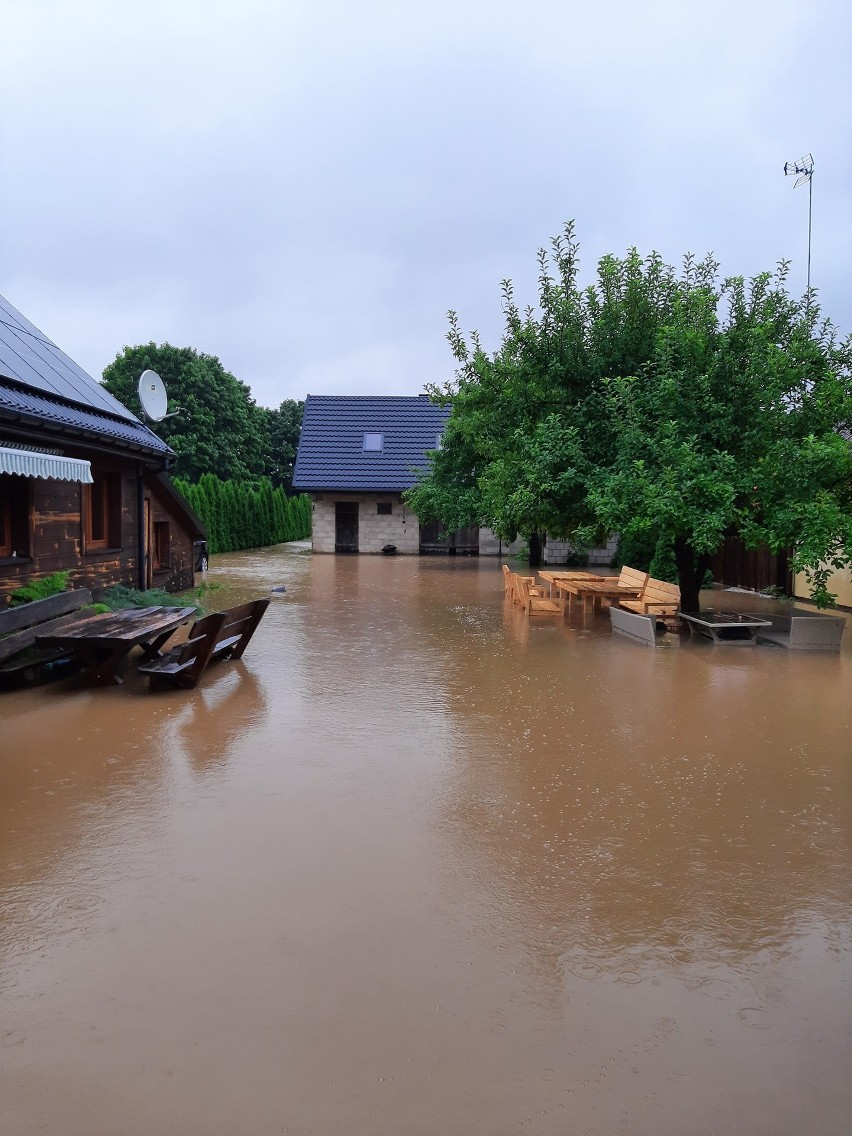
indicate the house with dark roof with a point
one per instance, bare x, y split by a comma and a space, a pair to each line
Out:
357, 455
83, 482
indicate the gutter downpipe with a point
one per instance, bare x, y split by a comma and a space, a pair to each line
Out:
140, 536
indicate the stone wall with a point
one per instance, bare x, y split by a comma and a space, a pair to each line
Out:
560, 551
490, 545
375, 529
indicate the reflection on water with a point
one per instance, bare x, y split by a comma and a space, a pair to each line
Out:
417, 864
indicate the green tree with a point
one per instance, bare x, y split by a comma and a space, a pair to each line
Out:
529, 422
672, 406
219, 428
735, 424
284, 426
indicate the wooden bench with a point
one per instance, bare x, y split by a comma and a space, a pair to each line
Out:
658, 598
534, 604
630, 579
19, 626
224, 634
510, 585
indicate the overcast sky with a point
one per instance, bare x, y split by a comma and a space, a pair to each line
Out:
305, 188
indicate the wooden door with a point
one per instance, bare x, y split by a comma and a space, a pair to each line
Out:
346, 526
149, 541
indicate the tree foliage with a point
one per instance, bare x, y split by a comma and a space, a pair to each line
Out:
220, 429
284, 426
239, 515
678, 406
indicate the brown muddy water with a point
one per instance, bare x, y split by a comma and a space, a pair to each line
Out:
416, 866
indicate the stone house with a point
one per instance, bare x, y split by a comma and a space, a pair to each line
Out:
83, 482
357, 455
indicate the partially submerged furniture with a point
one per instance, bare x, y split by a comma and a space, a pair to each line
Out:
20, 625
658, 598
640, 628
534, 604
731, 627
803, 631
101, 642
510, 584
224, 634
629, 584
185, 663
551, 576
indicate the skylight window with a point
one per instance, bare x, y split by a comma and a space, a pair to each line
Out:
374, 443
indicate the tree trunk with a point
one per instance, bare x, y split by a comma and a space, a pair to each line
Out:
691, 570
535, 550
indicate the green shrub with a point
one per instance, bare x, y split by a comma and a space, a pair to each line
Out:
636, 550
119, 598
50, 585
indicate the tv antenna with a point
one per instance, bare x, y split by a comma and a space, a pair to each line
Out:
153, 397
804, 172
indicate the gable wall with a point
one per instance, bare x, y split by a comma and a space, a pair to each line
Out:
179, 574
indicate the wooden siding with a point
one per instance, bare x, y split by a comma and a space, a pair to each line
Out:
736, 566
179, 574
50, 533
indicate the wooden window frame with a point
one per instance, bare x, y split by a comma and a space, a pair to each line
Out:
102, 512
161, 546
5, 522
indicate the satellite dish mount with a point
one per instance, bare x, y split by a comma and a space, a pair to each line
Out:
153, 397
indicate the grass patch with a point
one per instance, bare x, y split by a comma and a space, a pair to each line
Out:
120, 598
50, 585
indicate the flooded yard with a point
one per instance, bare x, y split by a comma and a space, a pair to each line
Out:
417, 866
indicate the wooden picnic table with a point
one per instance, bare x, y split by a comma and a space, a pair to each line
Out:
593, 591
101, 642
551, 576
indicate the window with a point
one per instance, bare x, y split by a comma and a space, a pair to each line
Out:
161, 550
384, 508
5, 523
14, 515
102, 511
374, 442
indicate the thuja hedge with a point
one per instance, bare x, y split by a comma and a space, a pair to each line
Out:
240, 514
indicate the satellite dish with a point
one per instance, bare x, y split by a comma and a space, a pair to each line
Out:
153, 397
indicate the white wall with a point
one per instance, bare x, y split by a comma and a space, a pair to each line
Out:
839, 582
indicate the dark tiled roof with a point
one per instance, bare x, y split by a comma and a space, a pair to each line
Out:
331, 445
42, 389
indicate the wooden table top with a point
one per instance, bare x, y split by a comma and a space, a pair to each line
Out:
601, 587
569, 574
134, 625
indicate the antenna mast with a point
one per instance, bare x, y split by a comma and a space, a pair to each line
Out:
804, 171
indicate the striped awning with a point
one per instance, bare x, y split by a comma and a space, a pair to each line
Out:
35, 463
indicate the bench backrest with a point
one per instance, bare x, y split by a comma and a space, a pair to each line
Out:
522, 590
239, 626
632, 578
20, 625
39, 611
507, 578
661, 592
